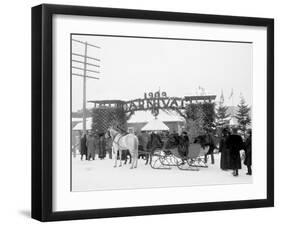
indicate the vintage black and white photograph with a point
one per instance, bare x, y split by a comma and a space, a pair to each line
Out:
139, 112
157, 112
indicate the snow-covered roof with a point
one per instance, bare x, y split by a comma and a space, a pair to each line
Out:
79, 126
155, 125
146, 116
233, 121
79, 119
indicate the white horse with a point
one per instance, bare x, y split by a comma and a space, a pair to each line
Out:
124, 142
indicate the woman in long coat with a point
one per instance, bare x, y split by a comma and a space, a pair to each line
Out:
90, 147
102, 144
235, 143
83, 146
225, 152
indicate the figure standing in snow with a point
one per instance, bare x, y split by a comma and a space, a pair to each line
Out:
90, 147
212, 146
248, 152
102, 151
234, 143
83, 146
225, 152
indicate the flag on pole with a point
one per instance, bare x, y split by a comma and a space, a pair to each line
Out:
222, 97
231, 94
201, 90
241, 95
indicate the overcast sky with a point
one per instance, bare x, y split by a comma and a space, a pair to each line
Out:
131, 66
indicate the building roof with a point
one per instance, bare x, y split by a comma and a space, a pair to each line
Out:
79, 125
155, 125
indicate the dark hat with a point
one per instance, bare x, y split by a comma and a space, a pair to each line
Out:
235, 129
225, 130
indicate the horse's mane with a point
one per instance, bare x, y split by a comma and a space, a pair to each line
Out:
155, 141
171, 142
202, 140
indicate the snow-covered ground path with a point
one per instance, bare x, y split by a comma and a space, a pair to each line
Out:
101, 175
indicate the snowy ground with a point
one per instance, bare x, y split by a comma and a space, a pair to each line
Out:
101, 175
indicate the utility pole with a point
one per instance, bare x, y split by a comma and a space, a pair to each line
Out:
84, 88
85, 70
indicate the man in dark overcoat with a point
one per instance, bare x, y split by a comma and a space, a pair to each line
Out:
102, 144
143, 138
248, 153
90, 147
211, 142
234, 143
225, 153
83, 146
155, 141
184, 143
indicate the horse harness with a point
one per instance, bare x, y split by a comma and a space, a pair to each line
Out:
117, 143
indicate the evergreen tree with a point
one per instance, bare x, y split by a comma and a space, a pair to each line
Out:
209, 115
243, 115
199, 117
195, 121
222, 116
221, 113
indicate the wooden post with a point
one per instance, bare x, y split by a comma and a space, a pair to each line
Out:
84, 74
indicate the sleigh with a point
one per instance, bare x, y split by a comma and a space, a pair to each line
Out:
192, 159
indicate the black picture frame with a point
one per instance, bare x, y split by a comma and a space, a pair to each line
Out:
42, 107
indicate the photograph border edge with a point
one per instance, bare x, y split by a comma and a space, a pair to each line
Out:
41, 204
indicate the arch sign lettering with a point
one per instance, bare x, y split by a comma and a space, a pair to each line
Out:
154, 101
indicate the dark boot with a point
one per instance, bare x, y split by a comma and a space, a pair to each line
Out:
212, 159
235, 173
249, 170
206, 158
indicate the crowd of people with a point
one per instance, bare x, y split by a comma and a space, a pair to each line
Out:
229, 144
95, 144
